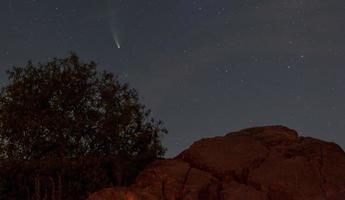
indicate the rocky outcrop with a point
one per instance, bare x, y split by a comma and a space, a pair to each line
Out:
264, 163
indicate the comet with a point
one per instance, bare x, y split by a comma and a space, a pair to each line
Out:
118, 44
116, 40
114, 25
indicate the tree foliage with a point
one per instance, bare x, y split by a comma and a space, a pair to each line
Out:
65, 108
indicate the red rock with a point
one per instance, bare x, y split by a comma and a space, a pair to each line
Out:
114, 193
263, 163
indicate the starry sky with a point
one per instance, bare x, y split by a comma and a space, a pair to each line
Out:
204, 67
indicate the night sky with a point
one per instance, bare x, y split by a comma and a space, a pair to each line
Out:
204, 67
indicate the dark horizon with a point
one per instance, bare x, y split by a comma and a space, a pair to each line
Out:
205, 68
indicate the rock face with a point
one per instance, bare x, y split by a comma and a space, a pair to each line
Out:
263, 163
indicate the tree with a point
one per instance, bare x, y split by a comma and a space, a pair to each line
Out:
66, 108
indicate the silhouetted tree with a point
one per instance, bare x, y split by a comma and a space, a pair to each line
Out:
65, 108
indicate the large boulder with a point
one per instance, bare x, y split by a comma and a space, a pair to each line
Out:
263, 163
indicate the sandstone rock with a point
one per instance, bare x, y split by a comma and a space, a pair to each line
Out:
263, 163
114, 193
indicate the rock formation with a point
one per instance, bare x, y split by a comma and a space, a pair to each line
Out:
263, 163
